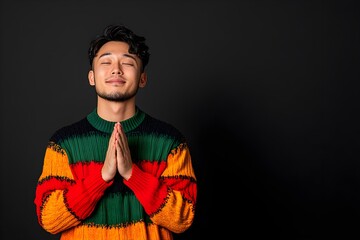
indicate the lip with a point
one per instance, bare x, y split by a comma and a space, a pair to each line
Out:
116, 80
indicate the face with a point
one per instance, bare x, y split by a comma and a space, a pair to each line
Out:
116, 73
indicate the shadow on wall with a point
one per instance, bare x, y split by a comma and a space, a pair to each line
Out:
231, 190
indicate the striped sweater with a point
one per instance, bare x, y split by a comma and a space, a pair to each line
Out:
72, 198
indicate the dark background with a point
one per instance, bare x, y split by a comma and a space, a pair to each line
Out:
266, 93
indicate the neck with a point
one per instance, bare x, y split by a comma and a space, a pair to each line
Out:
115, 111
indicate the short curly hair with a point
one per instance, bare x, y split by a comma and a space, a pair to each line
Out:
120, 33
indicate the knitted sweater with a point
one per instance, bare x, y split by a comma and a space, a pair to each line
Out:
158, 199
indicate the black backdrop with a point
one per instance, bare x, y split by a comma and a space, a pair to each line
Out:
265, 91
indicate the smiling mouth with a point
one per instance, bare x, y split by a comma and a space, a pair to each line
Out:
116, 81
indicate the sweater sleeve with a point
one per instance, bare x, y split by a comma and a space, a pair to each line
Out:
170, 198
61, 199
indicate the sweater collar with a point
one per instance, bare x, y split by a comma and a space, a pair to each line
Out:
106, 126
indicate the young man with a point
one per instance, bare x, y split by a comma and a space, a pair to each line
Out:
118, 173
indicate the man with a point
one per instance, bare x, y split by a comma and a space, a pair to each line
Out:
118, 173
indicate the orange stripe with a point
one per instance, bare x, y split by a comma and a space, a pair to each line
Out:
55, 164
177, 214
136, 231
55, 216
179, 163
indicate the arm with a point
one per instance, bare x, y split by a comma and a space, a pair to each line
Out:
62, 200
170, 198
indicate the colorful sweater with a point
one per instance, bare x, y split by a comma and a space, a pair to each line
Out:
159, 198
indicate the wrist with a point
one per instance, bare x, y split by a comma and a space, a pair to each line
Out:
128, 174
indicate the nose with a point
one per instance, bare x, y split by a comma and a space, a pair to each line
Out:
117, 70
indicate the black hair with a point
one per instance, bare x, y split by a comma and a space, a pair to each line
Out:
120, 33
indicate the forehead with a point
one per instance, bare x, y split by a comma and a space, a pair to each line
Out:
114, 47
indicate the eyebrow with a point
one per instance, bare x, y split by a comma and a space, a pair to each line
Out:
125, 55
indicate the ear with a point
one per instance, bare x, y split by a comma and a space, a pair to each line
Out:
143, 80
91, 78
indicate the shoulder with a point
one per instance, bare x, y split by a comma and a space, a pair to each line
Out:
159, 127
78, 128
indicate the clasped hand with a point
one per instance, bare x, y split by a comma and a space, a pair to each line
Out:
118, 157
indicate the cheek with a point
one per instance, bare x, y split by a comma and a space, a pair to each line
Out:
100, 73
131, 74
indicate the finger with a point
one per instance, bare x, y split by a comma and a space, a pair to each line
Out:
113, 136
116, 131
123, 138
119, 151
111, 153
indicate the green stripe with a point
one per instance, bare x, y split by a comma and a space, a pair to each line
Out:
93, 147
150, 147
107, 126
117, 209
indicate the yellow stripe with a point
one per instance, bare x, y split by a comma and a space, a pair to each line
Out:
136, 231
55, 164
177, 215
179, 163
55, 216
